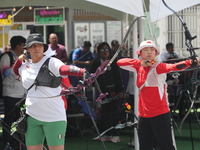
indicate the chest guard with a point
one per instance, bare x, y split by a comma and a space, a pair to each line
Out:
46, 78
155, 80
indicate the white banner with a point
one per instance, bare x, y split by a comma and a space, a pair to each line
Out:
114, 31
24, 33
81, 33
97, 33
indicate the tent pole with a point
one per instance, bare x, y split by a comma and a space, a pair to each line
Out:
135, 46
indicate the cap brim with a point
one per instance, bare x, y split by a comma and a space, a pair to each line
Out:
140, 48
36, 42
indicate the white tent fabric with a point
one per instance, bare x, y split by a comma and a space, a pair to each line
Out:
133, 7
114, 8
158, 10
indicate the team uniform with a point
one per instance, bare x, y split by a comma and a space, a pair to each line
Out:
43, 105
153, 109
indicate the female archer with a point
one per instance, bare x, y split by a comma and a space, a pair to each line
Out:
41, 76
154, 124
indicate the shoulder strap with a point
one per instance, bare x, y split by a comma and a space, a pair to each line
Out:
45, 64
10, 56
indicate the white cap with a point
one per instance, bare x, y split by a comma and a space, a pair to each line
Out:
148, 43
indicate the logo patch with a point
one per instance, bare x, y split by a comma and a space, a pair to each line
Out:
60, 136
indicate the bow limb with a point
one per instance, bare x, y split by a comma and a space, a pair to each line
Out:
193, 55
190, 108
104, 132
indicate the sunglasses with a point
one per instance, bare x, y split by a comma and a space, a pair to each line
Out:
104, 50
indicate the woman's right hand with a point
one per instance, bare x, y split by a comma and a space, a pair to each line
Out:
23, 57
146, 63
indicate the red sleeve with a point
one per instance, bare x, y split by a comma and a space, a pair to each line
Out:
71, 70
166, 68
128, 62
16, 66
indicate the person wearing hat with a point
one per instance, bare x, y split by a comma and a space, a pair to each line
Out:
41, 76
154, 124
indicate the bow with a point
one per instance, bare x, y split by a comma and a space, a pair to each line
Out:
86, 82
100, 70
193, 55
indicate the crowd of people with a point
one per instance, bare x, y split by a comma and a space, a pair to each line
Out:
29, 72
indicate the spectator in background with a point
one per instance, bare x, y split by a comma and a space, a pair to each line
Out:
13, 90
83, 57
95, 52
124, 50
114, 47
169, 53
110, 83
174, 85
61, 52
6, 48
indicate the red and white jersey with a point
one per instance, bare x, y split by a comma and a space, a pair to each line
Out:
152, 97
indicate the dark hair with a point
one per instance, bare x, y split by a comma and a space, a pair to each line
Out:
114, 42
168, 45
100, 46
17, 40
87, 44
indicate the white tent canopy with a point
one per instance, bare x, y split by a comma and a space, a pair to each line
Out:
113, 8
133, 7
158, 10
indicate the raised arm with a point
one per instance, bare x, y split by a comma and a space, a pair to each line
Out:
71, 70
18, 63
16, 66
